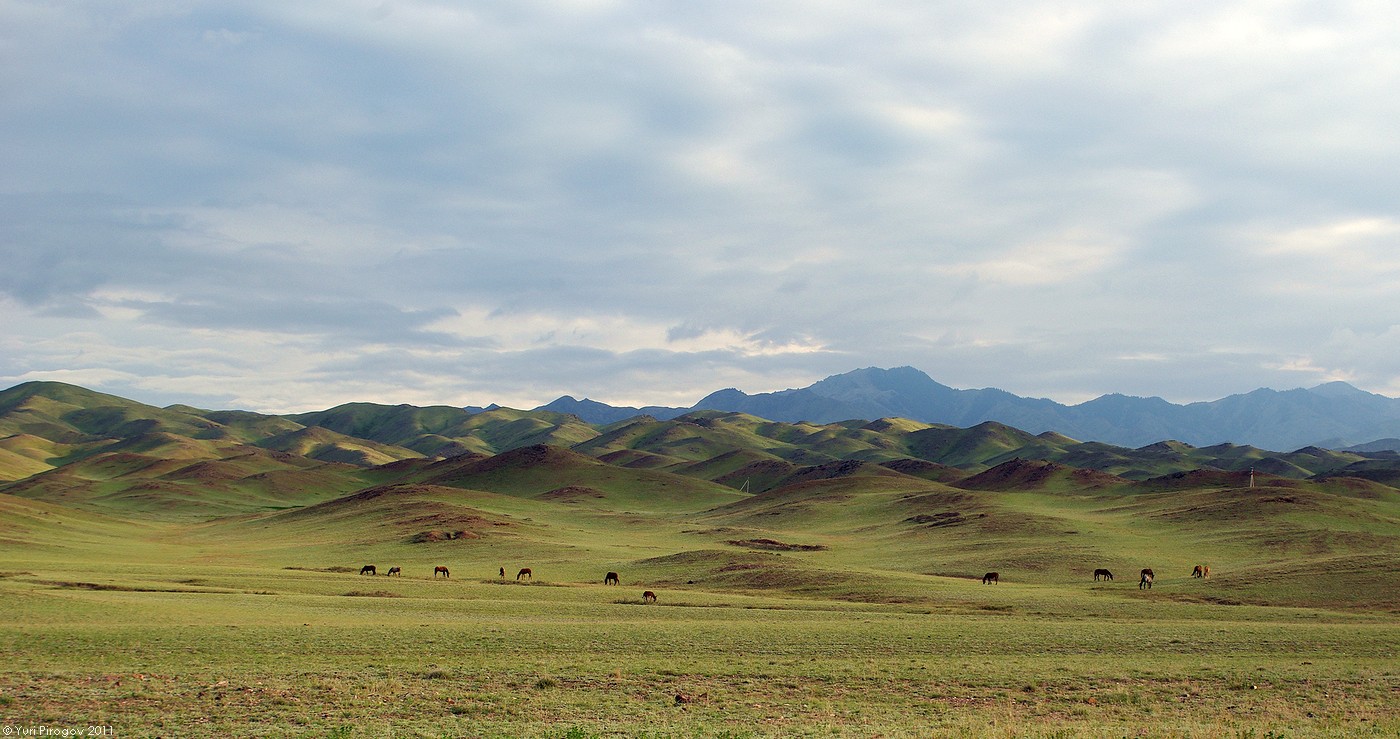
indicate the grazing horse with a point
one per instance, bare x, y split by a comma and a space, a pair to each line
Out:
503, 572
991, 578
524, 572
394, 571
611, 579
1146, 581
1201, 571
441, 569
1102, 573
648, 597
368, 570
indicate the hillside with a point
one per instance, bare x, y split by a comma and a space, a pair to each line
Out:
715, 498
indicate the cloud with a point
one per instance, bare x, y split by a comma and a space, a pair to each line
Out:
654, 199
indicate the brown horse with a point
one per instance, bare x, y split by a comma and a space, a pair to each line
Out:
648, 596
503, 572
524, 572
611, 579
394, 571
1201, 571
368, 570
991, 578
1102, 573
1146, 581
441, 569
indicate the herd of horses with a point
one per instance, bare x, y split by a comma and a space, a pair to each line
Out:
525, 573
1146, 577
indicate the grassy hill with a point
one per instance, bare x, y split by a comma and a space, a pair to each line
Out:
892, 499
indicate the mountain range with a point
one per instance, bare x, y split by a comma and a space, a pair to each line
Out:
61, 441
1333, 415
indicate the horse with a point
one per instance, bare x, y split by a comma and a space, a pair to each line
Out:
524, 572
503, 572
368, 570
394, 571
1102, 573
611, 579
991, 578
1146, 581
648, 596
1201, 571
441, 569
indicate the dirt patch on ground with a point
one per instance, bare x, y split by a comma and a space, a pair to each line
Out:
773, 545
428, 537
939, 520
572, 494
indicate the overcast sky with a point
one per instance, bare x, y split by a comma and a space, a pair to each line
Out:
283, 206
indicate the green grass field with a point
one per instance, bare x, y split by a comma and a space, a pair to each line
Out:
260, 626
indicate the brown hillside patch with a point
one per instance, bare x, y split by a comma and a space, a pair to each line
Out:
1015, 474
1194, 479
572, 494
637, 459
939, 509
207, 470
834, 471
939, 520
925, 469
1242, 504
429, 537
539, 456
772, 545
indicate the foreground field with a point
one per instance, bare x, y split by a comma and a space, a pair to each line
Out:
205, 650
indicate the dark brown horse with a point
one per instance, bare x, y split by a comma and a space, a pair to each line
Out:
1146, 581
1102, 573
441, 569
991, 578
648, 596
524, 572
368, 570
394, 571
611, 579
1201, 571
503, 572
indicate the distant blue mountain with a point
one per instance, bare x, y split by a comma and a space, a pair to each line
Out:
1334, 415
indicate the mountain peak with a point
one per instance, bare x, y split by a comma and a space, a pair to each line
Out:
1339, 389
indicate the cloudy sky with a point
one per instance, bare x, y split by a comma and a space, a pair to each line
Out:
284, 206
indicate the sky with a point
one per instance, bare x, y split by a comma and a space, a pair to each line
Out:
282, 207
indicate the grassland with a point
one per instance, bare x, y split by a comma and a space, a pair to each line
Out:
260, 626
194, 584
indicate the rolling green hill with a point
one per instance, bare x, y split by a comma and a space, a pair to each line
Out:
892, 498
